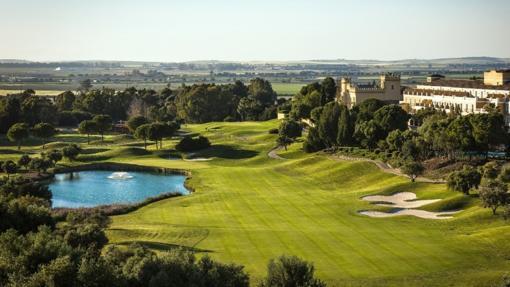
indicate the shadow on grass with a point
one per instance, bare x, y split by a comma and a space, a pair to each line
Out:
163, 246
135, 144
93, 150
227, 152
11, 151
108, 154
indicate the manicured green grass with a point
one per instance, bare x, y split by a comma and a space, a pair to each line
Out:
248, 208
287, 88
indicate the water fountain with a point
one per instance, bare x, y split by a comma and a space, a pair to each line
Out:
120, 175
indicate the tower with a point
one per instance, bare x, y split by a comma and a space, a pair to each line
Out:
390, 83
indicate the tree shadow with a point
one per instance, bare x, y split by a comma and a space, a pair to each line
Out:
93, 150
163, 246
226, 152
11, 151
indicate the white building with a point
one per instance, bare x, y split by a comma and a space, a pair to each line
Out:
466, 96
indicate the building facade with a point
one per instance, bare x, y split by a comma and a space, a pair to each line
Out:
387, 90
463, 96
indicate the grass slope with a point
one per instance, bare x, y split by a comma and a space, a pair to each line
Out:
248, 208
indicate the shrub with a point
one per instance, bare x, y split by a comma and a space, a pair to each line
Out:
273, 131
188, 144
67, 119
464, 180
290, 271
229, 119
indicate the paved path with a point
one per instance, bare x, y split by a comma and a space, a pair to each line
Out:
272, 153
385, 167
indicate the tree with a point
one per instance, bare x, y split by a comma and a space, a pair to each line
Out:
290, 128
460, 134
262, 91
287, 271
65, 101
504, 176
366, 109
85, 85
156, 133
413, 169
24, 161
368, 133
493, 194
328, 124
40, 164
9, 167
88, 127
17, 133
189, 144
136, 121
313, 141
44, 131
38, 109
464, 180
328, 87
391, 117
249, 109
142, 132
490, 170
345, 134
55, 156
103, 124
71, 152
284, 141
10, 112
315, 114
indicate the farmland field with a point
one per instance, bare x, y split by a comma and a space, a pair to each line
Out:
37, 92
50, 89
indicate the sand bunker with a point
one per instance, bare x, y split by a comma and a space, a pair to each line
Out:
399, 200
198, 159
413, 212
192, 158
405, 202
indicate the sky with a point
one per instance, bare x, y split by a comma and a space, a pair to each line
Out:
246, 30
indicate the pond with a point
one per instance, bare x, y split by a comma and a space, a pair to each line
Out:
94, 188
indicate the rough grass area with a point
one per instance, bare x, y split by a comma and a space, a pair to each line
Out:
248, 208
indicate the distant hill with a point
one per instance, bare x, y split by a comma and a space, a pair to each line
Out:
361, 62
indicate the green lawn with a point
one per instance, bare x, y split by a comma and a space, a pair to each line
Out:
248, 208
287, 88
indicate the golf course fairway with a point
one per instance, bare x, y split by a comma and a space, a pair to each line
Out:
248, 208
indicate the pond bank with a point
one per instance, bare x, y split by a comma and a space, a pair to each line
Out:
117, 209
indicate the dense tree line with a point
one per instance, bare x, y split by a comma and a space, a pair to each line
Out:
383, 128
194, 104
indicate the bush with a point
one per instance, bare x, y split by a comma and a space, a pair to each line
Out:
290, 271
464, 180
229, 119
273, 131
269, 113
188, 144
67, 119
